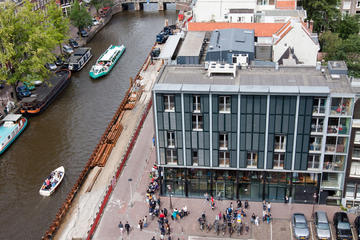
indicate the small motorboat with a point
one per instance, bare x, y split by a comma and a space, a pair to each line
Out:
52, 181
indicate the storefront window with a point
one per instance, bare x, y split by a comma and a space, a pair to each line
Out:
250, 186
331, 180
198, 182
175, 178
223, 186
304, 187
278, 185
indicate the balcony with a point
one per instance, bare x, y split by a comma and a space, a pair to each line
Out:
316, 128
318, 110
315, 147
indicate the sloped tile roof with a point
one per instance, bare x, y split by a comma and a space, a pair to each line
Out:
261, 29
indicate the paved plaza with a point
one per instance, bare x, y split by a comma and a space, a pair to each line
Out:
127, 203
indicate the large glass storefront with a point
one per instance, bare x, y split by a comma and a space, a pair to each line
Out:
244, 185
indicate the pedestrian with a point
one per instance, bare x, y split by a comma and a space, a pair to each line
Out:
127, 227
286, 199
239, 204
257, 221
246, 204
140, 224
145, 221
212, 203
231, 206
269, 207
153, 238
206, 196
263, 215
220, 215
165, 212
121, 226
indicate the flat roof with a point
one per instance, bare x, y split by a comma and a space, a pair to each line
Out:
192, 44
287, 80
170, 46
234, 39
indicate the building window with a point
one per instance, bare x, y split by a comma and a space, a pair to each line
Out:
223, 141
170, 139
224, 159
280, 143
336, 144
319, 106
317, 125
357, 137
197, 122
169, 103
334, 162
355, 169
224, 104
195, 158
315, 144
252, 158
171, 156
196, 104
356, 153
313, 161
338, 125
350, 191
341, 106
279, 160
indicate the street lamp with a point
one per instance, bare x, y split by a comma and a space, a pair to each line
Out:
169, 188
130, 203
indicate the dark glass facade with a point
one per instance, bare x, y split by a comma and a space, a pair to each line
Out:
245, 185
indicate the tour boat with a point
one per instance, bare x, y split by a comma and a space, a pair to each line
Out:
106, 61
44, 94
12, 126
52, 181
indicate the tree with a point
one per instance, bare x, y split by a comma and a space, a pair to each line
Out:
79, 16
26, 43
330, 43
324, 13
348, 25
97, 5
59, 22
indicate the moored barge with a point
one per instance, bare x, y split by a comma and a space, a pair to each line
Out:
79, 58
44, 94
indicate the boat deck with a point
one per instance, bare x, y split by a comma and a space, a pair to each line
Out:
43, 91
6, 131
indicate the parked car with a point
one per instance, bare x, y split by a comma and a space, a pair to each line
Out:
59, 61
322, 225
342, 226
51, 66
67, 49
95, 22
73, 43
357, 225
23, 91
84, 33
300, 226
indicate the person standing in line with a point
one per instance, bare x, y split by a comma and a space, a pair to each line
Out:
264, 205
269, 207
127, 227
246, 204
206, 196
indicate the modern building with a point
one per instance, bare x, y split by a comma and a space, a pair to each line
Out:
263, 134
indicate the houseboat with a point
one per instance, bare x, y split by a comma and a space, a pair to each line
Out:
79, 58
12, 126
106, 61
44, 94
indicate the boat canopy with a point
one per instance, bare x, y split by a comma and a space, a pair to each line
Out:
12, 117
110, 53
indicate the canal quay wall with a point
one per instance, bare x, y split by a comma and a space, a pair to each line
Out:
82, 208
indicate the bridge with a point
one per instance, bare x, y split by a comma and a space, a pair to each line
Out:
139, 4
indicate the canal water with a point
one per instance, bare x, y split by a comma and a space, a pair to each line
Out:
67, 132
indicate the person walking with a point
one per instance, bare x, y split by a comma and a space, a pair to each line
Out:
140, 224
212, 203
257, 221
127, 227
121, 226
145, 221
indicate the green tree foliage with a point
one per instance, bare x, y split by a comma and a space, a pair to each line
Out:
100, 3
79, 16
348, 25
27, 39
343, 49
59, 22
324, 13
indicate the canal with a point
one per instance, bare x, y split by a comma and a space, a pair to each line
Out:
67, 132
